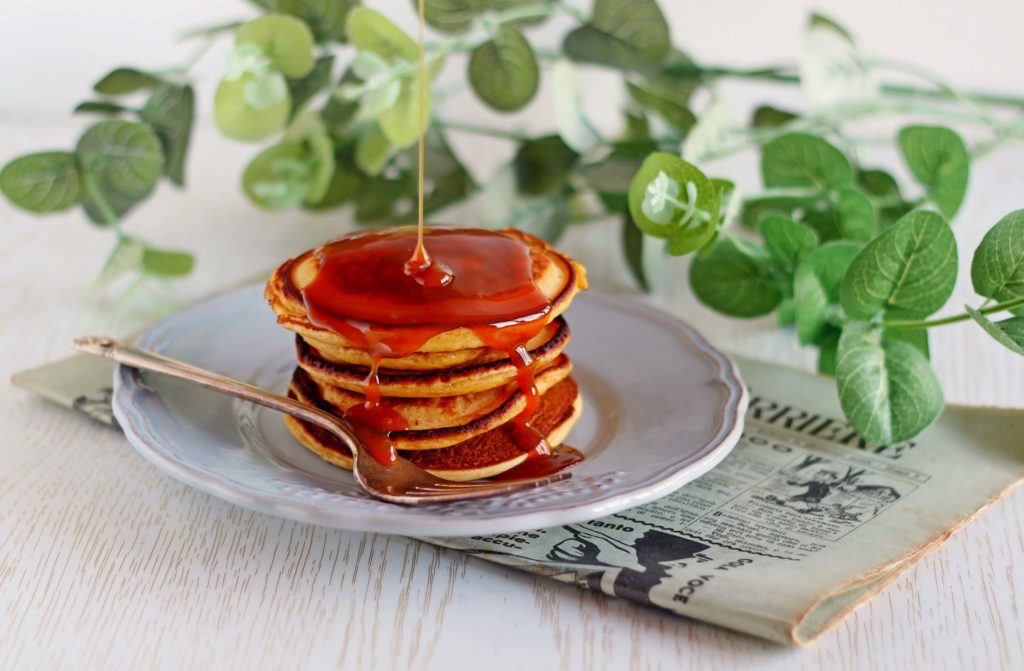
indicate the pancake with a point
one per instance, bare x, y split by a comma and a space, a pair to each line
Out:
441, 421
492, 373
556, 275
354, 356
482, 456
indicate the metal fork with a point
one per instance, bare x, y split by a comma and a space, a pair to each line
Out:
402, 482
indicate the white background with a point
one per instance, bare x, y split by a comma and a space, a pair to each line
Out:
106, 563
52, 50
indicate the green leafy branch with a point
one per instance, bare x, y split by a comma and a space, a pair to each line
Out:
858, 286
115, 166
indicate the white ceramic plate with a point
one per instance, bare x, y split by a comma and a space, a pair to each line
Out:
661, 407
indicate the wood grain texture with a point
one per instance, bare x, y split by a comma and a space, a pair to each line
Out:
105, 563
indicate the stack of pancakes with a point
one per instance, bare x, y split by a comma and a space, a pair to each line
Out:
458, 396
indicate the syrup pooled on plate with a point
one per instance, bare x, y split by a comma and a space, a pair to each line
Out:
363, 292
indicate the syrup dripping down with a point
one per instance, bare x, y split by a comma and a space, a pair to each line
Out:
421, 266
361, 289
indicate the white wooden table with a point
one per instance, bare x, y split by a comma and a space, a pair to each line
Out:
106, 563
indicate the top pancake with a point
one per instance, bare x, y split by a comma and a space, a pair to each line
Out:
557, 276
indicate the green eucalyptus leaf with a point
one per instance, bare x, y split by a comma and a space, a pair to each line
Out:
170, 111
939, 160
279, 177
661, 176
125, 257
42, 183
326, 18
622, 34
666, 93
816, 287
118, 203
786, 312
503, 71
909, 270
857, 219
570, 117
1009, 333
997, 270
373, 151
787, 241
236, 116
369, 30
888, 391
817, 20
457, 16
337, 113
638, 126
803, 160
727, 199
884, 191
381, 198
833, 72
824, 220
282, 38
100, 107
754, 210
546, 218
543, 165
311, 132
166, 262
125, 157
451, 16
345, 185
122, 81
709, 134
447, 182
917, 338
766, 116
888, 216
828, 350
508, 6
879, 184
725, 187
633, 251
400, 123
735, 278
304, 88
611, 176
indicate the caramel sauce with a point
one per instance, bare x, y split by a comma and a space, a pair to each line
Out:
362, 292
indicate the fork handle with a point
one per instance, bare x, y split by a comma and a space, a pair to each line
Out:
146, 360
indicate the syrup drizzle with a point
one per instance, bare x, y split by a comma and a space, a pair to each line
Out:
363, 293
421, 265
480, 279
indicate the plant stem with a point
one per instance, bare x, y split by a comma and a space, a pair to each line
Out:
102, 204
769, 194
482, 130
787, 75
962, 317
